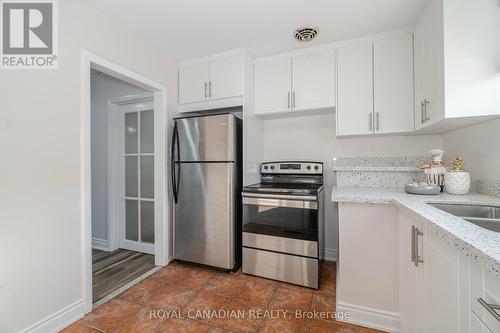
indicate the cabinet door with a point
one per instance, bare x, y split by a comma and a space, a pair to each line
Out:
273, 86
226, 77
313, 81
434, 110
393, 84
355, 90
421, 72
442, 302
193, 82
411, 276
429, 66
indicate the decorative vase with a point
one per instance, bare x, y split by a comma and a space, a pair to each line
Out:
457, 180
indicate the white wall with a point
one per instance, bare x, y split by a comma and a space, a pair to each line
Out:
103, 87
313, 138
478, 144
40, 173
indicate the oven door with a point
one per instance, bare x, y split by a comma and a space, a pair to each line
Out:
281, 223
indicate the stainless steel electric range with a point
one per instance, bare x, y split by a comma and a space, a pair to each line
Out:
283, 223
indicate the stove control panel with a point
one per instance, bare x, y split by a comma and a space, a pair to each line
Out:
312, 168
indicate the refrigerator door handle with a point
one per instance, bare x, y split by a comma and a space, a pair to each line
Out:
178, 164
172, 162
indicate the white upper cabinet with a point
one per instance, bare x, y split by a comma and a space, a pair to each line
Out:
295, 83
226, 77
273, 81
355, 90
393, 84
375, 87
193, 82
211, 82
429, 66
313, 81
456, 64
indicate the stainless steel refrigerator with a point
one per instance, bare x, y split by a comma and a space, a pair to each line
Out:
206, 155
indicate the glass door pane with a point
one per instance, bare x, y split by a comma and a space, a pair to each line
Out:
139, 176
147, 132
131, 220
147, 177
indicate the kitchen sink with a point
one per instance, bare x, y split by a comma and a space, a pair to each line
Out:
487, 217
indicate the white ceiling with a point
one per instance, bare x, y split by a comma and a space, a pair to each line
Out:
192, 28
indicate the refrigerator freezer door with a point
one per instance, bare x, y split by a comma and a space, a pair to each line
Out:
204, 215
208, 138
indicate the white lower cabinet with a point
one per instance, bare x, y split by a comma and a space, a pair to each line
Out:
484, 297
442, 306
426, 285
428, 279
411, 274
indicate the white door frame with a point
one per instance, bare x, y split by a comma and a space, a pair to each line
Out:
162, 223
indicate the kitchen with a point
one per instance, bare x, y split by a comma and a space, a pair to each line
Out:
285, 177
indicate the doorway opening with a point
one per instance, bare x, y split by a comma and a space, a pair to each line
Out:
125, 223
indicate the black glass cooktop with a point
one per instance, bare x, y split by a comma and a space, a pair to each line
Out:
284, 188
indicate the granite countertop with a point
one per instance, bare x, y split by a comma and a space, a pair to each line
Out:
480, 244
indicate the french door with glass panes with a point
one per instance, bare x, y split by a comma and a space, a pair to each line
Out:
136, 227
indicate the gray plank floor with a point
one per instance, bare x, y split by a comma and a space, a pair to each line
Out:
112, 270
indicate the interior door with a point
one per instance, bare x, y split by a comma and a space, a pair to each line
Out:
136, 222
273, 81
226, 77
355, 90
193, 83
393, 84
313, 81
204, 215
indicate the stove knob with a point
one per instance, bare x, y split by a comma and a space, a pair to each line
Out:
266, 167
316, 167
308, 167
272, 167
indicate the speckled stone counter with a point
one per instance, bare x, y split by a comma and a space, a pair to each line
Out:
480, 244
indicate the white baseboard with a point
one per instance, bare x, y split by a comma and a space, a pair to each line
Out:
100, 244
58, 320
372, 318
331, 255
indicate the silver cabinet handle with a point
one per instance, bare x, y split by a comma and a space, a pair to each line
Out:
415, 258
426, 115
378, 121
288, 100
370, 116
210, 89
422, 117
206, 89
293, 100
490, 308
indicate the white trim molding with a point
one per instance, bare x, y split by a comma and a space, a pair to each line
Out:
59, 320
383, 320
100, 244
162, 224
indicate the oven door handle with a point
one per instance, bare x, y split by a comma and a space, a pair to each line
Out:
267, 202
280, 196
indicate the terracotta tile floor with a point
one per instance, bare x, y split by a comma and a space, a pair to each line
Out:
178, 297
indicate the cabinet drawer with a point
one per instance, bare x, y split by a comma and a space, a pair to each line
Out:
486, 286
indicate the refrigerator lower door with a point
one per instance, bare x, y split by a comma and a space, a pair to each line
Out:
204, 214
